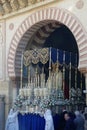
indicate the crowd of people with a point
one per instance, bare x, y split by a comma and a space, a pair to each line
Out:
70, 121
48, 121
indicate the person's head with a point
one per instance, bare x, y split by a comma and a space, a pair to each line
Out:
66, 116
77, 113
64, 109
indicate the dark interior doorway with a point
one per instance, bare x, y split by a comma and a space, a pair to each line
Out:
63, 39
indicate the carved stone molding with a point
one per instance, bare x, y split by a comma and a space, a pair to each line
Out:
22, 3
32, 1
2, 1
1, 10
14, 4
7, 7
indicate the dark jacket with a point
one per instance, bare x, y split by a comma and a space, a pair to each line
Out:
62, 121
79, 122
69, 125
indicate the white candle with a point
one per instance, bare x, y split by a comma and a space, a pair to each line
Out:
57, 79
29, 91
60, 80
45, 92
36, 92
49, 83
24, 92
31, 109
21, 92
36, 109
41, 92
26, 108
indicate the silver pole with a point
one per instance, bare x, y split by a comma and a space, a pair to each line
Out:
50, 63
63, 71
70, 76
76, 74
21, 70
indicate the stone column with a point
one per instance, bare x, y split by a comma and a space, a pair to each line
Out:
2, 112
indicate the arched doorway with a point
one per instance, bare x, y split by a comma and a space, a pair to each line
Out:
37, 20
62, 38
39, 26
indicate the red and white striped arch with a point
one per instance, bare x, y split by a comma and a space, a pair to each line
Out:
36, 21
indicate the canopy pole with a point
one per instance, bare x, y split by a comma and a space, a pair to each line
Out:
70, 76
63, 71
21, 71
50, 63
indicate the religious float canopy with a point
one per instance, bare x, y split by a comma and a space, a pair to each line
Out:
45, 87
49, 54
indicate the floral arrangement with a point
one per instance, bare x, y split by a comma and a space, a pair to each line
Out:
18, 103
47, 102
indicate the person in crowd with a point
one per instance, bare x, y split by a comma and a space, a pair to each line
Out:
49, 125
62, 120
79, 121
85, 117
12, 120
72, 115
69, 125
56, 119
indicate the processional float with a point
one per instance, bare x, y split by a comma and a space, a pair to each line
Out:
45, 87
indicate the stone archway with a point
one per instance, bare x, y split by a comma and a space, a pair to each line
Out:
36, 21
